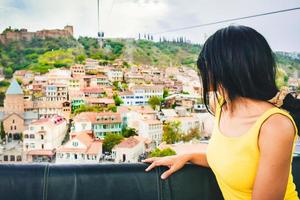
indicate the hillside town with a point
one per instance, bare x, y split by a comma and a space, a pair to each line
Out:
98, 112
64, 116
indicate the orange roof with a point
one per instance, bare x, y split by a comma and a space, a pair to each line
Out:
74, 134
70, 150
128, 143
101, 76
97, 118
93, 146
99, 100
152, 121
139, 109
92, 90
56, 120
159, 87
43, 152
85, 138
125, 93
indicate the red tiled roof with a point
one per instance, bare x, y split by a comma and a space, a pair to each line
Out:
43, 152
128, 143
93, 146
100, 100
152, 121
125, 93
101, 76
101, 117
56, 120
92, 90
139, 109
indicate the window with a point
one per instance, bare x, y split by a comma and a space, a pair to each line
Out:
42, 146
42, 137
19, 158
32, 145
25, 135
75, 156
83, 126
68, 155
31, 136
42, 128
13, 121
12, 158
75, 144
15, 127
5, 158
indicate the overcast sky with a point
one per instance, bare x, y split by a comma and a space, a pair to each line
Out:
127, 18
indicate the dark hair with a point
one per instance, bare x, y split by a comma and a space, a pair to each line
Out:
239, 59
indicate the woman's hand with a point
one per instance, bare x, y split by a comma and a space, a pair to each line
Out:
174, 163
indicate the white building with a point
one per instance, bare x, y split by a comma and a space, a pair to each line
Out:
82, 148
43, 137
129, 149
140, 94
114, 75
56, 92
100, 123
143, 119
187, 122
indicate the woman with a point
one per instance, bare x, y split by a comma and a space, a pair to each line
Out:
250, 151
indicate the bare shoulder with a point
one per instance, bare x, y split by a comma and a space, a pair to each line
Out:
279, 127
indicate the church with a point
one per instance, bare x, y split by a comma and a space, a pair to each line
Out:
13, 115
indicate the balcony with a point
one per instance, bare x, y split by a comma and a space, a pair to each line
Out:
110, 182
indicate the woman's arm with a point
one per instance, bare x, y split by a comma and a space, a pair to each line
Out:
199, 159
176, 162
275, 144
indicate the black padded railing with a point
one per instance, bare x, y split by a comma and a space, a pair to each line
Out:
110, 182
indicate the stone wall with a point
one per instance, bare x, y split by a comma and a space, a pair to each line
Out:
23, 34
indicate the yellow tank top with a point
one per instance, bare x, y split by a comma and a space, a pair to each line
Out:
234, 160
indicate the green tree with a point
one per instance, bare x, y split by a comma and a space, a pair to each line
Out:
2, 96
2, 132
166, 93
80, 58
193, 133
128, 132
87, 108
112, 108
57, 58
117, 85
161, 153
8, 72
117, 99
281, 78
185, 92
124, 86
154, 101
171, 132
298, 89
110, 140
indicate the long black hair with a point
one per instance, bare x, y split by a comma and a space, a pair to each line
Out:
240, 60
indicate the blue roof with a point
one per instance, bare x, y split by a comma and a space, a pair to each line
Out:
14, 88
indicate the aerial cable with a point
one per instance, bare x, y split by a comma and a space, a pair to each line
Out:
226, 20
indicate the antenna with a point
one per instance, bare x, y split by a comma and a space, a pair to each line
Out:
100, 33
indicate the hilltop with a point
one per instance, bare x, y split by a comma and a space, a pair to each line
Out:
43, 54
